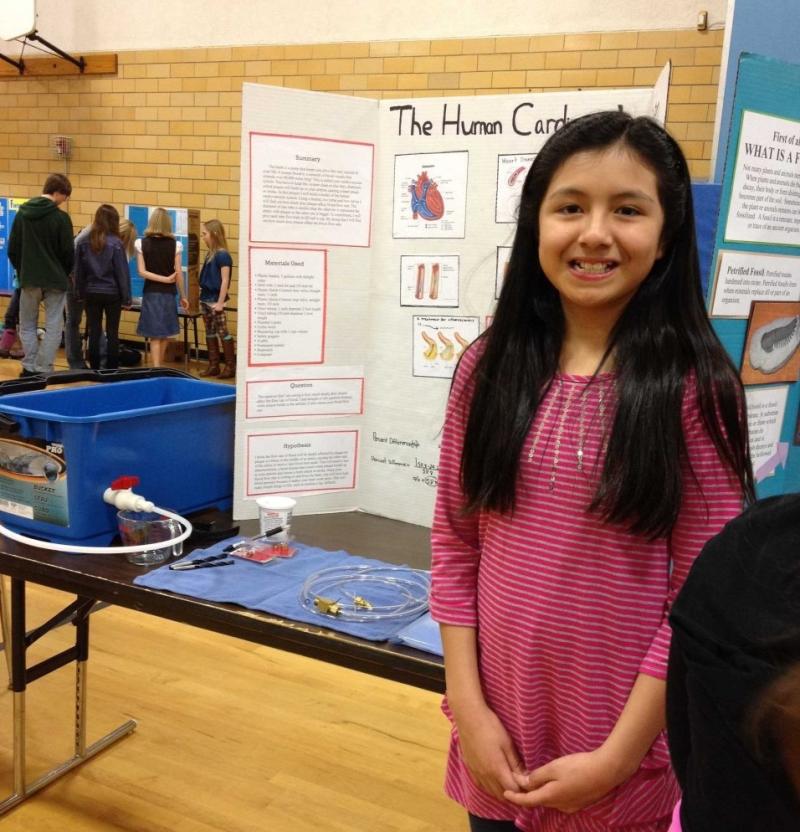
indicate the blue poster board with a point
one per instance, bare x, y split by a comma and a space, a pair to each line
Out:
8, 210
754, 293
139, 216
706, 197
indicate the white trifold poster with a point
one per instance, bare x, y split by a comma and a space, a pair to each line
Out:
370, 257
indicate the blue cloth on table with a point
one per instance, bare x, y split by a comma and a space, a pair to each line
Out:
274, 587
423, 633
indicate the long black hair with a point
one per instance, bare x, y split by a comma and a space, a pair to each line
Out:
661, 337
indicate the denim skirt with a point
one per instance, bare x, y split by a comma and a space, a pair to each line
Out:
159, 316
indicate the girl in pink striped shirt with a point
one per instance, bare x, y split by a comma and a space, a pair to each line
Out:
595, 438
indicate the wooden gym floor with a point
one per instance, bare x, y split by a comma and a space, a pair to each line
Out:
232, 736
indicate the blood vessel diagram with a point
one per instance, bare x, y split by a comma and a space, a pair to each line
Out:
448, 349
434, 290
426, 200
430, 351
512, 180
439, 341
420, 290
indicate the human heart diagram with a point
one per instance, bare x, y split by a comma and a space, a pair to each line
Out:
426, 199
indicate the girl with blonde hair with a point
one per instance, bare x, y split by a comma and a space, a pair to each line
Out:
127, 233
158, 258
215, 280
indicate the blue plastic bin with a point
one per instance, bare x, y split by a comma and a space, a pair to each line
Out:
175, 434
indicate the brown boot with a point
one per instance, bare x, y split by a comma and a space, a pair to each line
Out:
213, 358
230, 359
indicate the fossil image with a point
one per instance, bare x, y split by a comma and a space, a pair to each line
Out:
773, 344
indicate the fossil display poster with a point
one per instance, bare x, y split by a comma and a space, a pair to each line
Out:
766, 415
765, 193
370, 234
746, 276
754, 297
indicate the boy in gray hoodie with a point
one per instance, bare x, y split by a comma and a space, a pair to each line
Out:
40, 248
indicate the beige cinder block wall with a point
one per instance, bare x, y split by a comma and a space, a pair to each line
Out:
166, 128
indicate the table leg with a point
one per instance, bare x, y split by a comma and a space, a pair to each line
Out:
21, 675
18, 681
5, 623
196, 340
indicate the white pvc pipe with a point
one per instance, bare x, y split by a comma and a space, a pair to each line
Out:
105, 550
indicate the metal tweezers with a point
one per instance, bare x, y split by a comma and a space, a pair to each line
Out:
200, 562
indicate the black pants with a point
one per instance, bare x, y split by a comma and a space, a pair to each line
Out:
12, 313
482, 825
96, 305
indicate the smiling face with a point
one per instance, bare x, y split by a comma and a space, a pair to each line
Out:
600, 231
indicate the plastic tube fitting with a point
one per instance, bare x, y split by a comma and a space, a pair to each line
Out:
120, 494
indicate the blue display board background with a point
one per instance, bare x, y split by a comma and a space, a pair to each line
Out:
771, 87
758, 28
706, 199
139, 216
8, 210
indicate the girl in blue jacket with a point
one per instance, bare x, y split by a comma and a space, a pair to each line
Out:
103, 282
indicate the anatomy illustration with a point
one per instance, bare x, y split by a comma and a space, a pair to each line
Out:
448, 350
462, 342
426, 200
434, 288
773, 344
419, 293
431, 351
515, 175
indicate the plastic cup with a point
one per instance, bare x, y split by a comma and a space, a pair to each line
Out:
138, 528
274, 511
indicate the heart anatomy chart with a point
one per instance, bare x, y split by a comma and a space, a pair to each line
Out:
430, 195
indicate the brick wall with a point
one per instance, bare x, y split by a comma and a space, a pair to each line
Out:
166, 129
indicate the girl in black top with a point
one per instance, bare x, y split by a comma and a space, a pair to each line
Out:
158, 258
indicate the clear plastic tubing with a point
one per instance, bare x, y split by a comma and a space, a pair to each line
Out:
73, 549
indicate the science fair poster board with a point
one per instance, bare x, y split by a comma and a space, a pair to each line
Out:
373, 238
754, 296
8, 210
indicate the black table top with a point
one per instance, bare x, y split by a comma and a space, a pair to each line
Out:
109, 578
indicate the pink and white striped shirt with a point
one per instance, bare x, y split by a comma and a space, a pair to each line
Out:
568, 610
